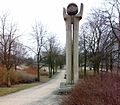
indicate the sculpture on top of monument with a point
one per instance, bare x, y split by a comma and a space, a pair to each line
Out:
72, 18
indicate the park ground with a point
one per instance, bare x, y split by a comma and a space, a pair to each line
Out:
38, 95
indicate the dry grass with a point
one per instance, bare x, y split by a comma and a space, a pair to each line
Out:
95, 90
33, 71
20, 80
15, 88
3, 77
27, 75
18, 87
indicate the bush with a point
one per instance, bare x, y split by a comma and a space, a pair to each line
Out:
3, 77
95, 90
16, 77
31, 70
25, 77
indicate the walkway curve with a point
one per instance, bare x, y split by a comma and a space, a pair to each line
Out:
35, 95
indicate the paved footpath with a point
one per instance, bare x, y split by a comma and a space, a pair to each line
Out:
38, 95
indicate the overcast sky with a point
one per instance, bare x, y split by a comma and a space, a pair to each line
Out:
49, 12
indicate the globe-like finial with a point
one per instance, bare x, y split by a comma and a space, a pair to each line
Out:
72, 9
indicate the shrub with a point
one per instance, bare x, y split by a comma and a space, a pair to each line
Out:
31, 70
17, 77
95, 90
3, 77
25, 77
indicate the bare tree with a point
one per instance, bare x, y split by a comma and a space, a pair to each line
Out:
38, 34
83, 45
113, 15
96, 35
7, 42
52, 54
98, 31
18, 54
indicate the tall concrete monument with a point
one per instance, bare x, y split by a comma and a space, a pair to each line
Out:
72, 18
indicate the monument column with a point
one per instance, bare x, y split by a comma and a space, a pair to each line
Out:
68, 50
75, 46
72, 30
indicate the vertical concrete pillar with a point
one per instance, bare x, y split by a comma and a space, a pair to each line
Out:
68, 50
75, 46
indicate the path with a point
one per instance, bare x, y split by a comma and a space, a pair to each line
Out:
38, 95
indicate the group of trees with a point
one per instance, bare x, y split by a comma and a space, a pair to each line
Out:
13, 52
48, 51
99, 45
100, 39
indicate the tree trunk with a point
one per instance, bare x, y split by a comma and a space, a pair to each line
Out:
85, 62
118, 65
94, 68
8, 78
97, 67
38, 75
106, 63
15, 67
38, 69
111, 63
50, 71
85, 57
53, 69
101, 66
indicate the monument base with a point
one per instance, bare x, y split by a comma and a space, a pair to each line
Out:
65, 88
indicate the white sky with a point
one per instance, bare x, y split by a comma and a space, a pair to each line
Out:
49, 12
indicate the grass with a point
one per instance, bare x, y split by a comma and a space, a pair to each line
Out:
18, 87
15, 88
27, 75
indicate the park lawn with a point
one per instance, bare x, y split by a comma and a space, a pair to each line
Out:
15, 88
18, 87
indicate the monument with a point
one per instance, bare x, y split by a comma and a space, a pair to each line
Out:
72, 18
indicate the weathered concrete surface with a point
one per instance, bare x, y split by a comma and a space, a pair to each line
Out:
72, 19
38, 95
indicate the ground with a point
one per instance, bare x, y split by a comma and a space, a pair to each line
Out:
38, 95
